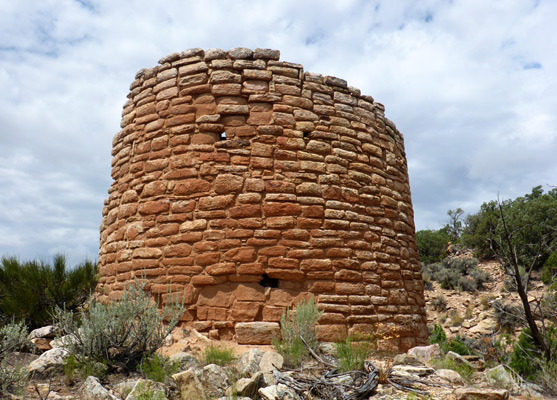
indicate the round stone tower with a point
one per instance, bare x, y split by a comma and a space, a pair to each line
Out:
244, 184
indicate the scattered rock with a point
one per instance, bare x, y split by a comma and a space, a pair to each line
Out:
451, 355
450, 376
278, 392
49, 361
248, 364
270, 361
480, 394
249, 386
425, 353
500, 378
43, 344
214, 379
406, 359
186, 360
189, 384
412, 370
122, 389
93, 390
44, 332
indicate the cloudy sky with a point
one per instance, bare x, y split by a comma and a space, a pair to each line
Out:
472, 84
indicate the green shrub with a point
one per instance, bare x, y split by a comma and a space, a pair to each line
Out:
549, 269
438, 336
457, 274
119, 333
432, 245
460, 345
524, 357
13, 377
158, 368
218, 355
353, 351
32, 290
75, 369
295, 325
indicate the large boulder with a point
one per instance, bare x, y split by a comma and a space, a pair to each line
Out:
425, 353
50, 361
248, 364
93, 390
278, 392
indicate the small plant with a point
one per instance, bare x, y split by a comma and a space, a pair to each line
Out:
158, 368
297, 325
354, 351
120, 333
439, 303
13, 337
438, 336
218, 355
469, 312
74, 369
484, 302
460, 345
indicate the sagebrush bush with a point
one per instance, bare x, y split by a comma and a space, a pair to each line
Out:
457, 274
30, 291
119, 333
353, 351
13, 377
439, 303
293, 326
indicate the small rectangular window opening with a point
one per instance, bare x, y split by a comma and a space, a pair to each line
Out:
222, 136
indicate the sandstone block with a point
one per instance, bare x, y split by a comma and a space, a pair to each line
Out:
256, 332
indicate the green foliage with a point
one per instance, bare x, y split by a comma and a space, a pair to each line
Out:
32, 290
438, 336
295, 325
218, 355
158, 368
13, 377
119, 333
353, 351
75, 369
549, 269
457, 274
531, 219
454, 227
524, 355
432, 245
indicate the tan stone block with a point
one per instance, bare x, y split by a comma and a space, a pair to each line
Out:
207, 258
281, 262
225, 77
192, 186
255, 86
282, 209
226, 89
260, 118
212, 313
244, 211
154, 207
244, 310
178, 250
256, 332
315, 265
349, 288
228, 183
193, 68
274, 186
332, 333
221, 269
272, 251
215, 202
243, 254
251, 269
147, 253
255, 74
272, 314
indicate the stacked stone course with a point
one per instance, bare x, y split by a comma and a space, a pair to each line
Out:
245, 184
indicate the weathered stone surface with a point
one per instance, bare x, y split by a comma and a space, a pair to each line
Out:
44, 332
270, 361
480, 394
144, 388
256, 332
49, 361
93, 390
450, 376
248, 364
278, 392
235, 170
425, 353
249, 386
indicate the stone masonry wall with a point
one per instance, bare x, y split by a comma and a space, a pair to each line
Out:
245, 184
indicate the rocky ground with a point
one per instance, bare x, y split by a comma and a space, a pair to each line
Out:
259, 373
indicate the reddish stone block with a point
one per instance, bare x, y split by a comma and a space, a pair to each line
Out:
277, 209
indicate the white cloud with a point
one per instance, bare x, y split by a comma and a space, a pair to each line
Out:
472, 85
